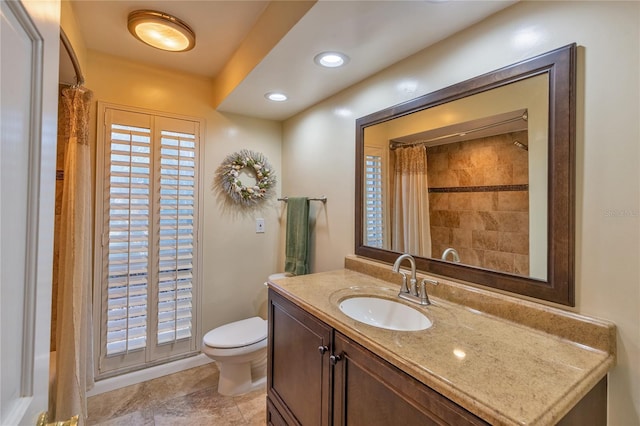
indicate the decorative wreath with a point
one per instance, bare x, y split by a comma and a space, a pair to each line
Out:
253, 163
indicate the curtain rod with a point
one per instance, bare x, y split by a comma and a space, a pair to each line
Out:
322, 198
74, 59
395, 144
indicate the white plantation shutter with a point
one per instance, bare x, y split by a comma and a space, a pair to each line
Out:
148, 252
127, 222
374, 203
176, 214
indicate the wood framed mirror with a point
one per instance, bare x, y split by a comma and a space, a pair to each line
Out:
497, 185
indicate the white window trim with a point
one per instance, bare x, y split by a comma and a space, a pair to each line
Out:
100, 235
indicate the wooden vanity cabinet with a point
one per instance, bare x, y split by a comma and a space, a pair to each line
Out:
298, 369
316, 376
362, 389
368, 390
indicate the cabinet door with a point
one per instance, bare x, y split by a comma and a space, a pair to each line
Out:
370, 391
298, 367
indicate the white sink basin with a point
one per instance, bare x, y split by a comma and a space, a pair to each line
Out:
384, 313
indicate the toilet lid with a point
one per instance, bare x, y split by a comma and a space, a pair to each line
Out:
280, 275
237, 334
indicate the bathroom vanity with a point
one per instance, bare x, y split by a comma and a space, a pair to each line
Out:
487, 359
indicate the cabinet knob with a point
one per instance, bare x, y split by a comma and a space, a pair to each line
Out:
334, 359
322, 349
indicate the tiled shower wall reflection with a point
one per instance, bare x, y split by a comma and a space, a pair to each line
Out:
479, 201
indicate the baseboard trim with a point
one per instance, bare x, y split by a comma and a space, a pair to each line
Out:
135, 377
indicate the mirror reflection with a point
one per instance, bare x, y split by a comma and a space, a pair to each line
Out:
464, 182
493, 202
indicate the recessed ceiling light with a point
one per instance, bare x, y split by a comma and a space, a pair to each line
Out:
161, 31
331, 59
276, 96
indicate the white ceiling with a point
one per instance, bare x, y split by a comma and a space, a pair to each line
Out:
374, 34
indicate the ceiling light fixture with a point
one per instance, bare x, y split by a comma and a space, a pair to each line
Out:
161, 31
331, 59
276, 96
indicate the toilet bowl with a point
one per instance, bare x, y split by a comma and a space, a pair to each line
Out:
240, 351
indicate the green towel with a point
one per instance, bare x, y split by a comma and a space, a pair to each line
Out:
297, 241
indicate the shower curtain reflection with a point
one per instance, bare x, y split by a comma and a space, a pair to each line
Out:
411, 228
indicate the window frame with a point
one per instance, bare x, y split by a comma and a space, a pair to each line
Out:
154, 353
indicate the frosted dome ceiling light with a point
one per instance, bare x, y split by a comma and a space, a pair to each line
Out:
161, 31
331, 59
276, 96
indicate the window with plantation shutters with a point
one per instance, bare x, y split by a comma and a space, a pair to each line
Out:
374, 203
147, 257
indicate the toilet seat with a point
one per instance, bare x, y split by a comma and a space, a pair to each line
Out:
237, 334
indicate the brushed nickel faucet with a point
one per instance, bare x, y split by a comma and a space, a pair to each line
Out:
412, 292
454, 254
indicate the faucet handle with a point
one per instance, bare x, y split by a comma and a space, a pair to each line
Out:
430, 281
424, 297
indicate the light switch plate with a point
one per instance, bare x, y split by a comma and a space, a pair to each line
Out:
259, 226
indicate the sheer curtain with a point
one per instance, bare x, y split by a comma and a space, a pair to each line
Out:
74, 355
411, 228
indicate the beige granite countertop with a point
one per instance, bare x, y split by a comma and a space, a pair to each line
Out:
514, 363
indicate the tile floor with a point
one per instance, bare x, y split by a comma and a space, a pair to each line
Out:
185, 398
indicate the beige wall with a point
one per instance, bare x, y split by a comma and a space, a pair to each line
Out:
318, 152
69, 25
236, 260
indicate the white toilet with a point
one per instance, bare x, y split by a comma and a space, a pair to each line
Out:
240, 351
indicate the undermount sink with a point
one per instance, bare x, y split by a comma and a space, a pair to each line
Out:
384, 313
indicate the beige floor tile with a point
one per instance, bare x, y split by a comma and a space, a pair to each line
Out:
189, 397
117, 403
137, 418
253, 406
202, 407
